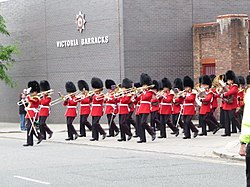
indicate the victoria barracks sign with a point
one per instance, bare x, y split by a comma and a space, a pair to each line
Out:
80, 22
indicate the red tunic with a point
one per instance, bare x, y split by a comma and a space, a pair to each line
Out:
240, 98
206, 103
123, 102
233, 90
111, 106
188, 105
71, 107
85, 105
145, 102
154, 104
215, 98
137, 106
45, 106
32, 111
97, 105
177, 104
166, 103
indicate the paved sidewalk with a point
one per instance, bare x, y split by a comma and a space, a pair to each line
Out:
213, 146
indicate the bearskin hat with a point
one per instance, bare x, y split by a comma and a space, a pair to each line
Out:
156, 84
145, 79
178, 84
166, 83
109, 83
96, 83
70, 87
137, 85
82, 85
200, 79
230, 75
212, 77
44, 85
34, 85
126, 83
206, 80
188, 82
248, 79
241, 80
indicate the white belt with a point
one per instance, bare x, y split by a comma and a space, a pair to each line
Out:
188, 104
34, 109
122, 104
84, 105
146, 102
71, 106
42, 106
108, 104
170, 104
96, 105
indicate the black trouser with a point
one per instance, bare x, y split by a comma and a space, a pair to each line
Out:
112, 126
212, 119
144, 126
240, 114
123, 126
43, 127
131, 121
96, 127
154, 120
236, 122
165, 119
31, 132
204, 122
138, 126
175, 120
70, 127
188, 125
248, 164
84, 122
222, 118
228, 116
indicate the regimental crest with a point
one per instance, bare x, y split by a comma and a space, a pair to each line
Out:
80, 21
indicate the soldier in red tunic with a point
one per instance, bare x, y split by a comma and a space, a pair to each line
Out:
123, 110
130, 119
136, 102
189, 107
229, 107
144, 109
44, 109
178, 103
70, 113
85, 101
32, 113
240, 99
111, 108
154, 110
166, 100
97, 109
214, 104
206, 101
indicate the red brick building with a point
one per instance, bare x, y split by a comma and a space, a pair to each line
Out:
221, 45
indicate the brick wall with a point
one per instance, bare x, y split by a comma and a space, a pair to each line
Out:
225, 41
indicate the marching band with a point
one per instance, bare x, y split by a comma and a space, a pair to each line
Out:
159, 101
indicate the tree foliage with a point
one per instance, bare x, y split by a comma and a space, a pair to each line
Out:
6, 53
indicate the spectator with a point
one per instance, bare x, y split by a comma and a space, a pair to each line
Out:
22, 113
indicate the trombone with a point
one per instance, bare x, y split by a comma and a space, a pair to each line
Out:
63, 98
40, 95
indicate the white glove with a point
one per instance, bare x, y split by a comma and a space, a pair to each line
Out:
222, 83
